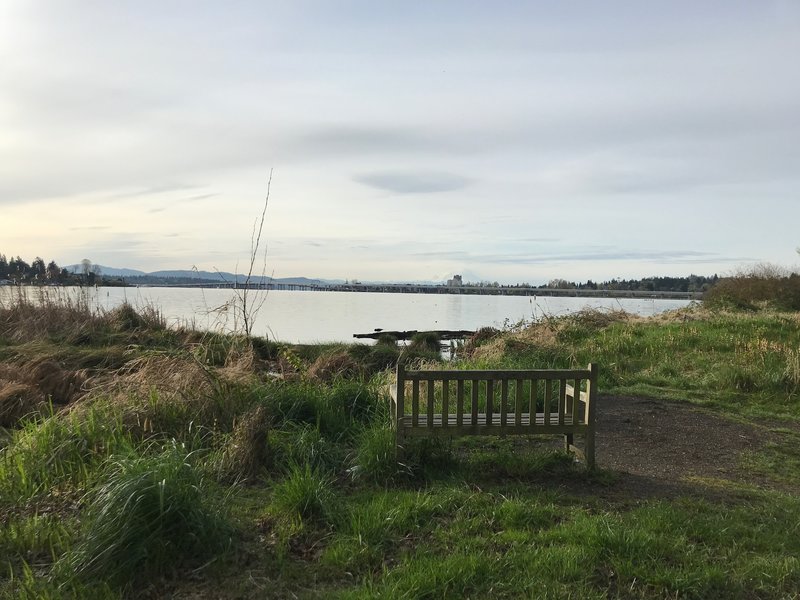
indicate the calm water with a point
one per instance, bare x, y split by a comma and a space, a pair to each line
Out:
307, 317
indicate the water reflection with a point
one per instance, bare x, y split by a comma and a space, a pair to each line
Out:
308, 317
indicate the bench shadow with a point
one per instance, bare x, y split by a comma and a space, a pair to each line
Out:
492, 463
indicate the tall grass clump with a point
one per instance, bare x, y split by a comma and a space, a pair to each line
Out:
38, 538
375, 457
246, 453
426, 341
306, 495
151, 514
379, 357
57, 450
35, 314
127, 318
298, 443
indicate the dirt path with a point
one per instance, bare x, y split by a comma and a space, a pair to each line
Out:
665, 448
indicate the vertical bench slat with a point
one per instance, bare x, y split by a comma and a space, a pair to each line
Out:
518, 403
489, 400
415, 403
431, 389
576, 398
548, 399
533, 408
562, 400
445, 402
503, 402
401, 393
475, 402
460, 402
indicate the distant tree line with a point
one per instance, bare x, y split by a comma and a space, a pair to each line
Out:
19, 272
692, 283
170, 280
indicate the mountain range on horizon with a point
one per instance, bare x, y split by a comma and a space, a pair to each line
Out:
215, 276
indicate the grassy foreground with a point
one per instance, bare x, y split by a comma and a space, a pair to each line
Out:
142, 461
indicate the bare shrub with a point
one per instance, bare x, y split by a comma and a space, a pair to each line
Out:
763, 285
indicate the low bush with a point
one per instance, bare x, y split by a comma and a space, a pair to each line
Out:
426, 341
764, 285
380, 358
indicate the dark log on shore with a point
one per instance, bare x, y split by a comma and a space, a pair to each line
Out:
459, 334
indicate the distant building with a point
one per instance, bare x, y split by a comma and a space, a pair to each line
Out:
455, 281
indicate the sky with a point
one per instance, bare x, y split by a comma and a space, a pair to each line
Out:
506, 141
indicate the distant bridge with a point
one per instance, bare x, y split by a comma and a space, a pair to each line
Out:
477, 290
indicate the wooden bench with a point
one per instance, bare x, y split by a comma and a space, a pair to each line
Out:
498, 402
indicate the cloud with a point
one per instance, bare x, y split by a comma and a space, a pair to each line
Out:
414, 182
154, 190
198, 197
669, 256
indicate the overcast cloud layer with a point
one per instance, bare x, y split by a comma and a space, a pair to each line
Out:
408, 140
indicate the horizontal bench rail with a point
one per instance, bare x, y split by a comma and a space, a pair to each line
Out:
499, 375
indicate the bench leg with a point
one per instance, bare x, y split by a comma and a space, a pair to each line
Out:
590, 449
568, 442
398, 447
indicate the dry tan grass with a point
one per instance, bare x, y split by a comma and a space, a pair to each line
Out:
331, 366
24, 319
169, 376
246, 453
693, 312
60, 385
18, 400
30, 387
546, 332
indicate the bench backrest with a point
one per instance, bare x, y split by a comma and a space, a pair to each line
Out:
535, 397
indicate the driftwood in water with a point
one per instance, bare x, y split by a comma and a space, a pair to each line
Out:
459, 334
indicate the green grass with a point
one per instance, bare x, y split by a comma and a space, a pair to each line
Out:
779, 459
741, 363
306, 494
243, 485
150, 514
58, 454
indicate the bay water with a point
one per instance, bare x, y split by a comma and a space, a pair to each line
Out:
310, 316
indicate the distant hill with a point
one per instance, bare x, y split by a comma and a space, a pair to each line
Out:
190, 275
184, 276
107, 271
224, 276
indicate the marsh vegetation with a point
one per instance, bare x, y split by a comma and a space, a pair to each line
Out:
140, 460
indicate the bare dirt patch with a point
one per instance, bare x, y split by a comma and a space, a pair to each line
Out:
662, 448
